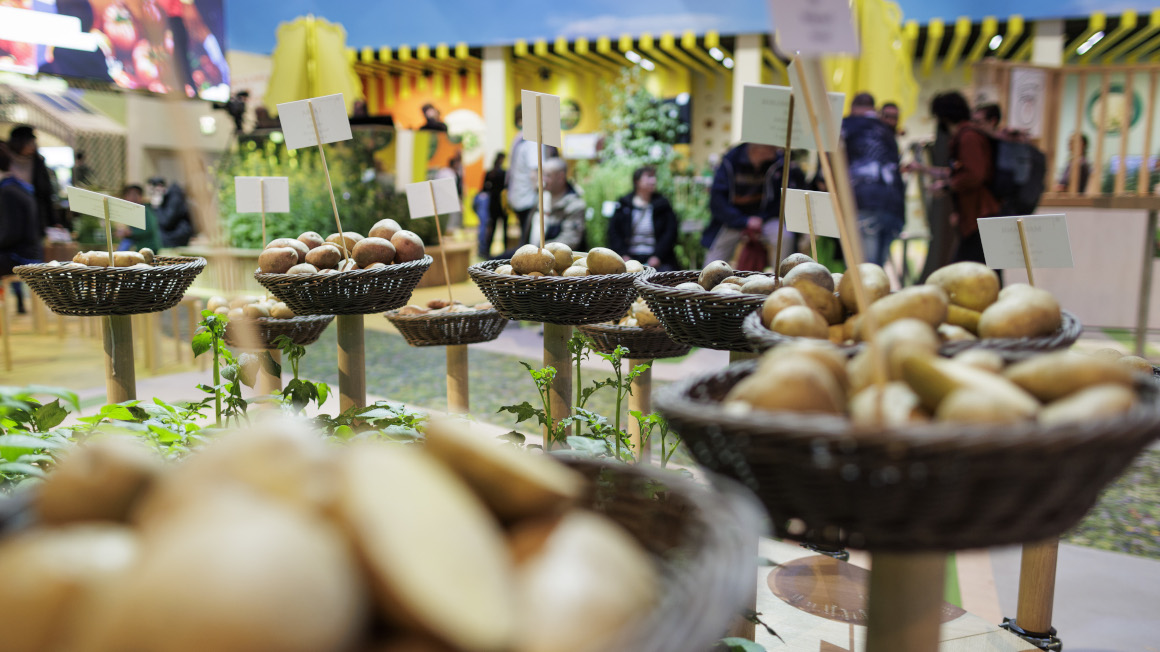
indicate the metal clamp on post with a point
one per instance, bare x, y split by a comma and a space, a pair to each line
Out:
1048, 642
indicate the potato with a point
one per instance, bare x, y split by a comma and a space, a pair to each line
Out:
760, 285
971, 285
582, 261
242, 301
127, 258
975, 405
837, 334
574, 271
418, 571
927, 303
796, 384
325, 256
513, 483
413, 310
875, 281
689, 286
385, 229
373, 250
605, 261
821, 300
981, 359
235, 314
281, 311
735, 280
837, 277
408, 246
963, 317
644, 315
350, 238
304, 268
98, 480
563, 255
407, 643
714, 273
791, 261
726, 288
1052, 376
294, 244
952, 333
1017, 289
933, 379
147, 254
1095, 402
800, 321
1028, 313
588, 565
535, 274
815, 273
1137, 364
779, 300
633, 267
819, 351
530, 258
899, 406
255, 311
311, 239
97, 259
278, 260
505, 270
216, 302
1108, 354
49, 573
903, 338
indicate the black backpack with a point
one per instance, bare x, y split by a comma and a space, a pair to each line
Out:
1018, 180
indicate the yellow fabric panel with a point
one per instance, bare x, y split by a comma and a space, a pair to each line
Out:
885, 68
311, 60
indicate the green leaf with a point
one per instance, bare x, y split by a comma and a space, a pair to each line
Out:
523, 411
588, 447
28, 442
514, 438
19, 468
70, 398
202, 342
323, 391
734, 644
344, 432
269, 364
49, 416
164, 435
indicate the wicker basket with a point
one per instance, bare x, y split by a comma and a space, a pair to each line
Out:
449, 328
97, 291
932, 486
359, 292
698, 318
303, 330
563, 300
701, 541
651, 343
763, 339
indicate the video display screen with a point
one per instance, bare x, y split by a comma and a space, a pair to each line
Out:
157, 45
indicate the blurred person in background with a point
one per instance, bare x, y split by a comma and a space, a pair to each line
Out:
971, 170
744, 200
21, 234
522, 187
82, 175
987, 117
1085, 167
29, 166
433, 118
131, 238
168, 201
566, 209
889, 115
644, 226
875, 178
454, 170
491, 211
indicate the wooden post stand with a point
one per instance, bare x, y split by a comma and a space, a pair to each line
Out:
458, 401
120, 377
738, 356
268, 383
1037, 586
352, 369
556, 355
906, 595
1146, 281
640, 399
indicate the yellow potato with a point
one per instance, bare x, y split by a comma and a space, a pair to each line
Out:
952, 333
530, 258
1029, 312
1137, 364
800, 321
815, 273
562, 253
821, 300
975, 405
933, 379
875, 281
981, 359
795, 384
819, 351
899, 405
963, 318
780, 299
968, 284
602, 260
714, 273
99, 480
1095, 402
791, 261
926, 303
1053, 376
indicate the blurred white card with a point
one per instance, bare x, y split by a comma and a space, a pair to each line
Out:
1047, 241
821, 210
831, 131
252, 192
547, 118
330, 114
765, 109
426, 198
93, 203
814, 27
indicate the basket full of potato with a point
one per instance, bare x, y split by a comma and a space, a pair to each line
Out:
556, 285
912, 450
276, 539
963, 301
344, 274
639, 331
446, 323
255, 322
91, 284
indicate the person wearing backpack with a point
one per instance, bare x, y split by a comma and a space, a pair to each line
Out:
972, 171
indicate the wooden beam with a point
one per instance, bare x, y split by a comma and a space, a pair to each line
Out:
669, 44
958, 42
934, 36
1139, 37
989, 29
1015, 28
1145, 177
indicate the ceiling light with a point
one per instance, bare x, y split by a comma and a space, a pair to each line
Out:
716, 53
632, 56
647, 65
1090, 43
728, 63
996, 41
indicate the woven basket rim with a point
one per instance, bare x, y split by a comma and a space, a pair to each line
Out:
653, 285
396, 268
169, 265
393, 315
614, 329
484, 270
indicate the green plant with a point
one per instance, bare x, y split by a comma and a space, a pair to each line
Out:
622, 385
242, 370
172, 429
651, 422
543, 379
380, 420
28, 431
297, 393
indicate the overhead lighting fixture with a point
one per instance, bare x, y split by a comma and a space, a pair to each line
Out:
682, 99
42, 28
996, 41
716, 53
728, 63
647, 65
632, 56
1090, 43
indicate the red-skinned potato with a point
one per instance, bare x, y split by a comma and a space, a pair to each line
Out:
296, 245
408, 246
385, 229
351, 238
277, 260
373, 250
326, 256
311, 239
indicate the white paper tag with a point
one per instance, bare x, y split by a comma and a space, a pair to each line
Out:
93, 203
821, 210
251, 192
547, 119
764, 110
1047, 241
419, 198
329, 112
831, 131
814, 27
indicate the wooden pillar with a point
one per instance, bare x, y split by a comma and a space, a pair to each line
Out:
269, 383
556, 355
1144, 304
458, 401
906, 598
120, 377
640, 399
1037, 586
6, 328
177, 347
352, 375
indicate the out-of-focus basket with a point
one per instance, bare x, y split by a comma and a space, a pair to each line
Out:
358, 292
97, 291
651, 343
703, 542
563, 300
763, 339
449, 328
706, 319
302, 330
926, 486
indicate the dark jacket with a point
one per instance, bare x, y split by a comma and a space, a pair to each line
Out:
20, 232
872, 155
44, 190
494, 183
972, 166
665, 228
173, 218
740, 190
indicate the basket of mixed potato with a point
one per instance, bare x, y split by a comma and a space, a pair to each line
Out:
447, 323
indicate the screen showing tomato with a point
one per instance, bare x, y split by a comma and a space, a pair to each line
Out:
157, 45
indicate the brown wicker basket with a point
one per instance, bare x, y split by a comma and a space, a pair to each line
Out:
97, 291
651, 343
701, 541
932, 486
698, 318
449, 328
359, 292
763, 339
563, 300
302, 330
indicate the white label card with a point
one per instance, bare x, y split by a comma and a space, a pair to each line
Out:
419, 198
814, 27
93, 203
821, 210
765, 109
252, 192
1047, 241
329, 112
547, 118
831, 131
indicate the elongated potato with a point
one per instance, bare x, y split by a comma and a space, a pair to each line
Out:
1095, 402
963, 318
1052, 376
1029, 312
795, 384
99, 480
822, 301
926, 303
968, 284
899, 406
975, 405
800, 321
874, 279
933, 379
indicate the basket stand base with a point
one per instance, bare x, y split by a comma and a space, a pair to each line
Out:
458, 396
352, 363
120, 376
841, 554
1047, 642
556, 355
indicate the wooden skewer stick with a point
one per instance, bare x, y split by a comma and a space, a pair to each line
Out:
784, 188
262, 207
329, 185
1026, 251
443, 254
540, 167
810, 226
108, 231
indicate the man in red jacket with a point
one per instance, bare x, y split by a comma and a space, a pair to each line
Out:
972, 168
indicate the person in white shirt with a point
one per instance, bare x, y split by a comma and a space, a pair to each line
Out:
522, 189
